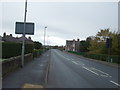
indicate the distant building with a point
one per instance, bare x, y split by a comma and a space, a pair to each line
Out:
1, 39
10, 38
72, 45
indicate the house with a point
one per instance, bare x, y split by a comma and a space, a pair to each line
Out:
1, 39
10, 38
72, 45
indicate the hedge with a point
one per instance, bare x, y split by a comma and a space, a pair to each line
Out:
102, 57
37, 52
10, 49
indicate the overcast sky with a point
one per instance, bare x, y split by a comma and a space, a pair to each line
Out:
65, 20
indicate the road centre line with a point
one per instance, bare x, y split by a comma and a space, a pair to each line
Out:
115, 83
80, 63
68, 59
75, 62
42, 65
72, 59
99, 71
104, 75
90, 70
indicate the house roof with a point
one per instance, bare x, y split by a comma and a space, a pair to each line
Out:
13, 39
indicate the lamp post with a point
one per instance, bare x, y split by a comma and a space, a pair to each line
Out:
47, 39
44, 35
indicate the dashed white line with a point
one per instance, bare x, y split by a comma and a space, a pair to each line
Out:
41, 65
115, 83
72, 59
90, 70
68, 59
74, 62
104, 75
80, 63
100, 71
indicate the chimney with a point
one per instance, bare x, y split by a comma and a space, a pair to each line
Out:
4, 34
29, 38
11, 35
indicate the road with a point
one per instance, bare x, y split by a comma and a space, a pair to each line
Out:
70, 71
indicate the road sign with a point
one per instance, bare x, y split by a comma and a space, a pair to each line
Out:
29, 28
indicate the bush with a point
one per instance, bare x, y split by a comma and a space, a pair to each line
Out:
10, 49
37, 45
37, 52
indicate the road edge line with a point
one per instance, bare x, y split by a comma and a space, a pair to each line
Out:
47, 71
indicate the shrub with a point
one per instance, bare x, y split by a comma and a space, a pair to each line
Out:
37, 45
37, 52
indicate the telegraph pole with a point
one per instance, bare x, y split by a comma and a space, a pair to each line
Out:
23, 42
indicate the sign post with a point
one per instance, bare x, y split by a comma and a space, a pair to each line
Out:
24, 28
109, 45
23, 42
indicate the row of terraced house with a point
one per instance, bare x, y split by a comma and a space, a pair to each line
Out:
10, 38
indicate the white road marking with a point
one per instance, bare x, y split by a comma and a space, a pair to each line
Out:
41, 65
110, 76
90, 70
72, 59
75, 62
80, 63
115, 83
99, 71
104, 75
68, 59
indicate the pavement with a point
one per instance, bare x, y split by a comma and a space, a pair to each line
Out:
71, 71
32, 75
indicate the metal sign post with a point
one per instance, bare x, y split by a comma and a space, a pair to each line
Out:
24, 28
23, 42
109, 46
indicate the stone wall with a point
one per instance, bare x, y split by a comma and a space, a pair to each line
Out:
14, 63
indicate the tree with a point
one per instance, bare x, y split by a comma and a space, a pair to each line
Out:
37, 45
98, 44
115, 50
83, 46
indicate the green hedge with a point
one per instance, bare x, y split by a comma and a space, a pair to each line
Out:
37, 52
10, 49
102, 57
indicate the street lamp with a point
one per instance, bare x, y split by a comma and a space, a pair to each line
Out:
44, 36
